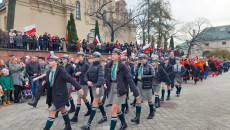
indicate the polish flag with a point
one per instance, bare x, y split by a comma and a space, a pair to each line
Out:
161, 48
132, 56
30, 29
124, 53
147, 47
97, 39
116, 41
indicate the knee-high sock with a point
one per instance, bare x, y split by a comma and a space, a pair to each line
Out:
123, 107
92, 114
113, 123
87, 105
138, 108
78, 107
71, 102
169, 91
126, 103
156, 99
121, 116
179, 90
65, 116
101, 107
151, 106
49, 122
163, 92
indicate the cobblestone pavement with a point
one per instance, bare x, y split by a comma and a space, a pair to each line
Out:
204, 106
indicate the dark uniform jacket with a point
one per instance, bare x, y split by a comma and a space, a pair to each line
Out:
123, 78
95, 74
169, 70
57, 94
161, 75
146, 76
69, 69
81, 67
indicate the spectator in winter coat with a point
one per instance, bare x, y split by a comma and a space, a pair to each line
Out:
25, 40
7, 85
18, 40
17, 77
12, 38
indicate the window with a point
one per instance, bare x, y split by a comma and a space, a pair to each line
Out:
104, 17
223, 43
206, 44
78, 12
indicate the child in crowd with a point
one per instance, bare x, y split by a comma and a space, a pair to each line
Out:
7, 86
26, 91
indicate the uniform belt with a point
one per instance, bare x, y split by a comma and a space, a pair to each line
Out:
114, 81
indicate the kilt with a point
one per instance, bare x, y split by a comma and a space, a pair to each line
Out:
144, 94
156, 86
53, 108
113, 95
85, 89
69, 86
178, 78
101, 91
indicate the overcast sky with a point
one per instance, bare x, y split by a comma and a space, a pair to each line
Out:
216, 11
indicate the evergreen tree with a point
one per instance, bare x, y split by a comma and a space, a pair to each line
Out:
171, 43
72, 32
97, 33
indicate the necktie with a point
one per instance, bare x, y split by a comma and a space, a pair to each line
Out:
113, 71
165, 67
177, 68
51, 79
140, 71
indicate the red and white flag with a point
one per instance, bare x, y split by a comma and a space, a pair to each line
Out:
116, 41
124, 53
30, 29
97, 39
132, 56
147, 47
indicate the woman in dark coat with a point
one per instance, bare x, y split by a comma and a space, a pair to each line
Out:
117, 78
169, 69
57, 95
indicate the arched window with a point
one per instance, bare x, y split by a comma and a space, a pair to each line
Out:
104, 17
78, 11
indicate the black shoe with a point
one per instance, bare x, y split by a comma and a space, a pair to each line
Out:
67, 126
178, 95
123, 126
156, 105
88, 113
34, 103
151, 114
133, 104
16, 101
104, 119
136, 119
56, 115
72, 109
74, 119
86, 127
162, 99
45, 129
176, 91
108, 105
126, 110
168, 98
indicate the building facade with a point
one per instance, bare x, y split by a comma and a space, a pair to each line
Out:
210, 39
52, 16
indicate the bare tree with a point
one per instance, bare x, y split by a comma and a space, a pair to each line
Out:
113, 24
11, 14
196, 31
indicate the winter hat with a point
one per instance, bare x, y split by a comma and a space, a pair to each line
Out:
4, 71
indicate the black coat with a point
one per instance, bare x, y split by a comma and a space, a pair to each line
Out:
123, 78
32, 68
169, 71
162, 75
146, 76
95, 74
58, 94
69, 69
81, 67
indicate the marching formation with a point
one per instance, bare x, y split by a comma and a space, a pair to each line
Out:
144, 76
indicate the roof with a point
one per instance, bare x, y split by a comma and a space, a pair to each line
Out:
214, 33
183, 46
